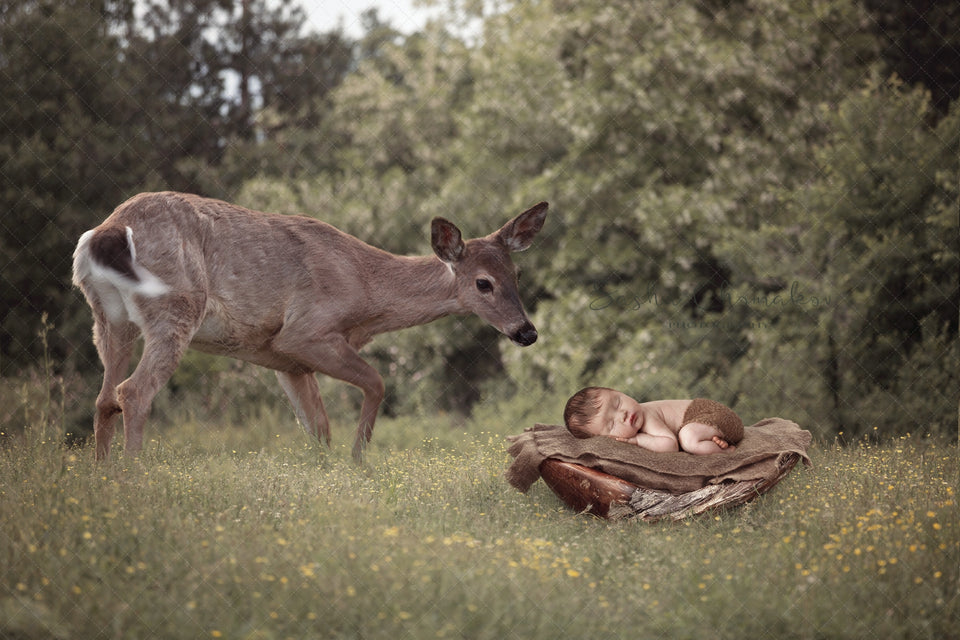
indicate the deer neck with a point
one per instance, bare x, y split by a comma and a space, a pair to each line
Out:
410, 291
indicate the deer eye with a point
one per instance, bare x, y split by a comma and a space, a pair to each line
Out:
484, 286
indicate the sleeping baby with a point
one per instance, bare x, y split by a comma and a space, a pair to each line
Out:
697, 426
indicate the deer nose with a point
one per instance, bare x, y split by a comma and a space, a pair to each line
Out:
525, 335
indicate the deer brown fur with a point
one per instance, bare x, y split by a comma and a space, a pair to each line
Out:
286, 292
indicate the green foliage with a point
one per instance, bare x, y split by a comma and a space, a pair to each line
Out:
873, 239
746, 203
66, 156
921, 42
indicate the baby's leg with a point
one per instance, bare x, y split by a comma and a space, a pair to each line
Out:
701, 439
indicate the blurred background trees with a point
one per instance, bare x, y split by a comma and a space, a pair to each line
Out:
751, 200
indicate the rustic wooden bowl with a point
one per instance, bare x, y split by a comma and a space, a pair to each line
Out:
584, 489
587, 490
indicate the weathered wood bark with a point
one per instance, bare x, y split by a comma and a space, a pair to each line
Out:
585, 489
591, 491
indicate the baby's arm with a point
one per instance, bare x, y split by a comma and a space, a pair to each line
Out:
661, 444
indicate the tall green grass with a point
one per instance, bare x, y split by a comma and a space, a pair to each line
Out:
251, 532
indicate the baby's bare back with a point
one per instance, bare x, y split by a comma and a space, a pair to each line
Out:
663, 417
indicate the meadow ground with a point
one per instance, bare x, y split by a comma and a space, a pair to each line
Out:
249, 532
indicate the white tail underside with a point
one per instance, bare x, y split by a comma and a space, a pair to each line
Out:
116, 291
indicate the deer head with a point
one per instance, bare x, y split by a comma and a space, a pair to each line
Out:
486, 278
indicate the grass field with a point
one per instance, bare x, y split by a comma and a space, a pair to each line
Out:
248, 532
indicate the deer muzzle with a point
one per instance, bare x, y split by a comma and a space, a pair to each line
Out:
526, 335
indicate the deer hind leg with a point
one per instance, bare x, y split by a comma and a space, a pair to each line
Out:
115, 344
304, 394
166, 339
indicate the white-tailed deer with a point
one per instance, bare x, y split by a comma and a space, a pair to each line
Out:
286, 292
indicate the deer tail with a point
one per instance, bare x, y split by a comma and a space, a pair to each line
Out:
107, 255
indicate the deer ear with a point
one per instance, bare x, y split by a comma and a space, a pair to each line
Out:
446, 240
518, 233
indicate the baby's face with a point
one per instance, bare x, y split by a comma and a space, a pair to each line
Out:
619, 416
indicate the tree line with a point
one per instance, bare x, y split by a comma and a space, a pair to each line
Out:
702, 158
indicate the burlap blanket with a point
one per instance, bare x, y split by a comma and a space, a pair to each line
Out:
757, 457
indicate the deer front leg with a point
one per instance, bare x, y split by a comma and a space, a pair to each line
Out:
336, 358
304, 394
373, 392
347, 365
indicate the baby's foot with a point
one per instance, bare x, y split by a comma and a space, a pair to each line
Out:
723, 444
